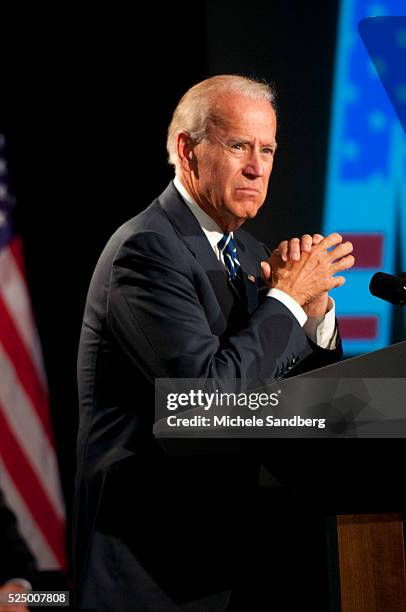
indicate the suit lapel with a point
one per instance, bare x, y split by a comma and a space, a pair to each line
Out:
189, 230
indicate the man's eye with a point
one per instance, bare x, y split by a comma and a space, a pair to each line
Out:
268, 151
238, 146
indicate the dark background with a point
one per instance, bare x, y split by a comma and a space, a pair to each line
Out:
86, 97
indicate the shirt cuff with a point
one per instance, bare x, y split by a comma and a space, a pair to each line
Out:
322, 330
290, 303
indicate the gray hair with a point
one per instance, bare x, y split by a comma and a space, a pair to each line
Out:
195, 108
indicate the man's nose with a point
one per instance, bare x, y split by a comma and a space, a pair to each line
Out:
254, 165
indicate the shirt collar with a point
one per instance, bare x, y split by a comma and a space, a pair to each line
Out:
209, 226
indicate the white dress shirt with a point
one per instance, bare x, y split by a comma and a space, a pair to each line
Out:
321, 330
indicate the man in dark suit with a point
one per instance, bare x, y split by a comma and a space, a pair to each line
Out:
181, 291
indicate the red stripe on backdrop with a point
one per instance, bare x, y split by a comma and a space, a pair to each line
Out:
24, 366
32, 491
358, 328
368, 250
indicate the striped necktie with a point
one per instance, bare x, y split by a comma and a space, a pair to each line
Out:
228, 248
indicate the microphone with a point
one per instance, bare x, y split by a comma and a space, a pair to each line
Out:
389, 287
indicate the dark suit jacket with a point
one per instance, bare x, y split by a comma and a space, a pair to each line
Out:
153, 531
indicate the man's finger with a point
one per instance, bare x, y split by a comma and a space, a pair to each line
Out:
283, 249
317, 238
337, 281
294, 249
345, 248
343, 264
306, 242
266, 270
330, 241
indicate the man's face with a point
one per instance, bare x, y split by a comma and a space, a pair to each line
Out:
234, 162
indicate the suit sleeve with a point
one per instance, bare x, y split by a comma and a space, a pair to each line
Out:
156, 315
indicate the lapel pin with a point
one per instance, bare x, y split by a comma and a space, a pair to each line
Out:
251, 277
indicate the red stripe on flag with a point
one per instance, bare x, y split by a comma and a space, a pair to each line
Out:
16, 248
32, 491
358, 328
368, 250
24, 366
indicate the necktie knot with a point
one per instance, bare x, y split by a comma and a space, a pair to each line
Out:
228, 248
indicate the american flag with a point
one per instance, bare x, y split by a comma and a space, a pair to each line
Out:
29, 474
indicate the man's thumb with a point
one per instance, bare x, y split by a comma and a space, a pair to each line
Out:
266, 270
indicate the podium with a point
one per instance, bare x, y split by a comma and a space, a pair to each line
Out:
370, 546
365, 483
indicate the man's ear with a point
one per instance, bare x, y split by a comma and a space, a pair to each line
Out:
185, 151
